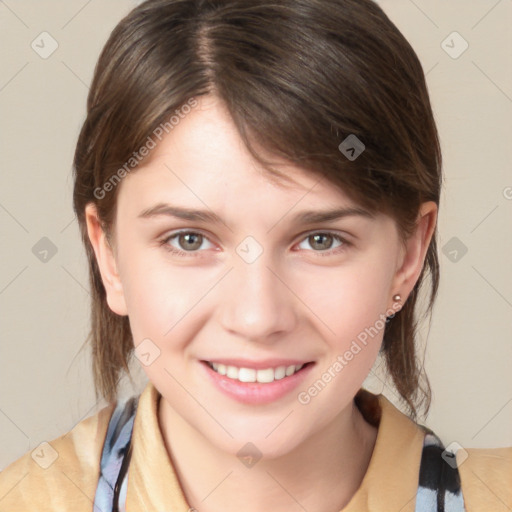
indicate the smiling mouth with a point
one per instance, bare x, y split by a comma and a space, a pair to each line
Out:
263, 376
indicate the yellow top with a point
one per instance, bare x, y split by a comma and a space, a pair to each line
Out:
72, 464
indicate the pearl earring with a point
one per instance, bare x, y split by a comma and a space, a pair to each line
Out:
397, 298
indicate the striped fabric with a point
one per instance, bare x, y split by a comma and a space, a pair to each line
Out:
115, 458
439, 488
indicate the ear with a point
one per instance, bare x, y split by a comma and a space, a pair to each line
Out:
413, 256
106, 261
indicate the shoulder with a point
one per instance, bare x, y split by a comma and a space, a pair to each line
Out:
58, 473
486, 478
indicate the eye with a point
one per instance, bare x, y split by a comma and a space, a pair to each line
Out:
322, 242
188, 242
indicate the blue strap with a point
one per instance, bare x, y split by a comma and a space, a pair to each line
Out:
111, 490
439, 488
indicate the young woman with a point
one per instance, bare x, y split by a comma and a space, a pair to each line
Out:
257, 186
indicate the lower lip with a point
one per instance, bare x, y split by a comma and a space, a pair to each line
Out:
256, 392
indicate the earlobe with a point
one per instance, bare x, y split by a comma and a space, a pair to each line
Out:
415, 250
106, 261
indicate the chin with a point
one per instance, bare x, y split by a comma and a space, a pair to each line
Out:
254, 444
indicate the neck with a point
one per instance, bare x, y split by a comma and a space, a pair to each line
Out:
321, 474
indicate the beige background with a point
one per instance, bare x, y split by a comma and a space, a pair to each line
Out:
45, 382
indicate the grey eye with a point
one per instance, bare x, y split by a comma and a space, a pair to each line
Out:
322, 241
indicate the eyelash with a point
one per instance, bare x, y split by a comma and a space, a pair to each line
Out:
329, 252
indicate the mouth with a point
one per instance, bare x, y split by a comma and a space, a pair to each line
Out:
257, 375
257, 382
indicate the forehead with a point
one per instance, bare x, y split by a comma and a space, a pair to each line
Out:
203, 156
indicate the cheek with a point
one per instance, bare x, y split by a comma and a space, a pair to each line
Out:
350, 310
160, 298
348, 300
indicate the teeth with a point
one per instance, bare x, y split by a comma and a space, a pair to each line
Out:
280, 372
246, 375
265, 375
232, 372
290, 370
251, 375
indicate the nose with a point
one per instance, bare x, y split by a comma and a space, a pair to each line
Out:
258, 305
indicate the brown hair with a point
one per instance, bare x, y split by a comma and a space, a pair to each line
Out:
297, 77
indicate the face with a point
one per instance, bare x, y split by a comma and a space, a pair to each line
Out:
259, 288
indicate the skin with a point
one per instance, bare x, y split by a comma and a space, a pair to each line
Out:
291, 302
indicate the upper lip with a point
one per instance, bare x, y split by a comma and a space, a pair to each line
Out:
258, 365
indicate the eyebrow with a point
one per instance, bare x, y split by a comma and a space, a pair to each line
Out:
304, 217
